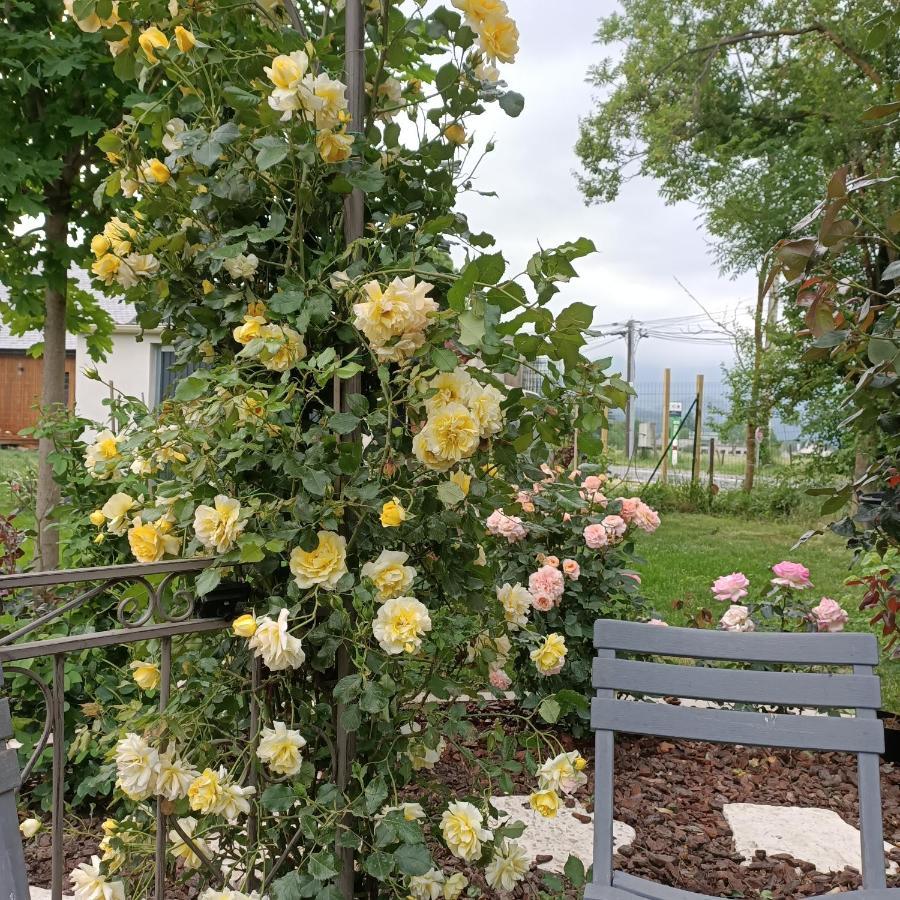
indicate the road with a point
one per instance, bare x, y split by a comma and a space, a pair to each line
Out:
643, 473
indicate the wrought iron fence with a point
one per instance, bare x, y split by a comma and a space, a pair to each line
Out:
162, 609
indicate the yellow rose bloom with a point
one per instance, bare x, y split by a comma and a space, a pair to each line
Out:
476, 11
156, 170
104, 449
334, 146
454, 886
484, 401
184, 851
326, 564
286, 72
455, 133
580, 764
115, 510
545, 802
400, 624
97, 518
100, 245
392, 514
251, 329
390, 574
549, 657
450, 387
107, 268
145, 674
151, 40
291, 348
184, 39
205, 791
561, 773
453, 433
421, 445
463, 831
275, 645
30, 827
218, 527
462, 480
148, 542
244, 626
498, 38
207, 285
279, 748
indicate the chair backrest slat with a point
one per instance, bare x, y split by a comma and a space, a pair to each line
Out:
800, 649
738, 685
729, 727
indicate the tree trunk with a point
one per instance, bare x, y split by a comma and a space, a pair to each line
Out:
753, 412
53, 384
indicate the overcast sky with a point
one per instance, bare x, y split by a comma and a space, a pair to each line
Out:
643, 244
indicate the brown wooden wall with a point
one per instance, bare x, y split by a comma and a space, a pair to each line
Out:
20, 390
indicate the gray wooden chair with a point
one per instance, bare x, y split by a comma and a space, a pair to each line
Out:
863, 735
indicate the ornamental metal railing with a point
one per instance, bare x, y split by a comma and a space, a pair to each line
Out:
159, 604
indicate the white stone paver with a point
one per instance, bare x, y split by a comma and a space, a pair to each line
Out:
43, 894
815, 835
558, 837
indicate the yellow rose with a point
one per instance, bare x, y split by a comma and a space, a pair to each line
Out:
104, 449
463, 831
145, 674
334, 146
580, 764
325, 565
453, 433
120, 235
390, 574
392, 514
449, 387
184, 39
462, 480
291, 348
244, 626
251, 329
455, 133
156, 170
114, 511
400, 624
218, 527
152, 40
476, 11
97, 518
545, 802
205, 791
207, 285
280, 747
99, 245
286, 72
499, 39
549, 656
106, 268
30, 827
454, 886
148, 542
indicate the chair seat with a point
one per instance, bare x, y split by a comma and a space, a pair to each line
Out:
630, 887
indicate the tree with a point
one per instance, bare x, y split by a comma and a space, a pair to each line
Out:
731, 106
57, 94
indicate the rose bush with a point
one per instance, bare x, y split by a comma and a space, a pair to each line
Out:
348, 433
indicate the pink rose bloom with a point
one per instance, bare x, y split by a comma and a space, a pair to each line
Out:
595, 498
571, 568
546, 587
731, 588
551, 561
629, 507
828, 615
658, 622
592, 484
737, 618
633, 576
502, 525
499, 680
567, 517
645, 518
595, 536
791, 575
615, 527
523, 498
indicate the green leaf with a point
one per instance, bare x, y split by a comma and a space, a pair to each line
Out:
471, 329
207, 580
444, 359
239, 98
316, 482
278, 797
450, 494
347, 689
379, 864
343, 423
251, 548
193, 386
549, 710
491, 267
883, 350
322, 865
574, 870
374, 698
375, 794
512, 103
462, 287
413, 859
272, 150
367, 180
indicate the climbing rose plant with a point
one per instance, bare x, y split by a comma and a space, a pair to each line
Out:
352, 427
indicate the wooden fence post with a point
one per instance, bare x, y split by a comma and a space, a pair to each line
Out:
667, 394
698, 432
712, 464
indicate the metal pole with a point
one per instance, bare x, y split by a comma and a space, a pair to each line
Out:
667, 397
698, 429
712, 464
630, 336
13, 878
165, 686
57, 810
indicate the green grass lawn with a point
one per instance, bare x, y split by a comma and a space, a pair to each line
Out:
18, 466
690, 550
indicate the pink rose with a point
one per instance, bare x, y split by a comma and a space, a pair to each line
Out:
523, 498
546, 587
615, 527
499, 679
658, 622
571, 568
633, 576
731, 588
567, 517
595, 536
592, 484
645, 518
551, 561
629, 506
791, 575
502, 525
737, 618
595, 498
828, 615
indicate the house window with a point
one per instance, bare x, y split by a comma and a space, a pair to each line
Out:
168, 373
534, 374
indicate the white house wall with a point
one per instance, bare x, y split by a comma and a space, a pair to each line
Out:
130, 366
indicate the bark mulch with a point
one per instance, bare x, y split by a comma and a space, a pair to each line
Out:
672, 794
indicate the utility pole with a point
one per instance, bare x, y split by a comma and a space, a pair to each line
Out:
631, 343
